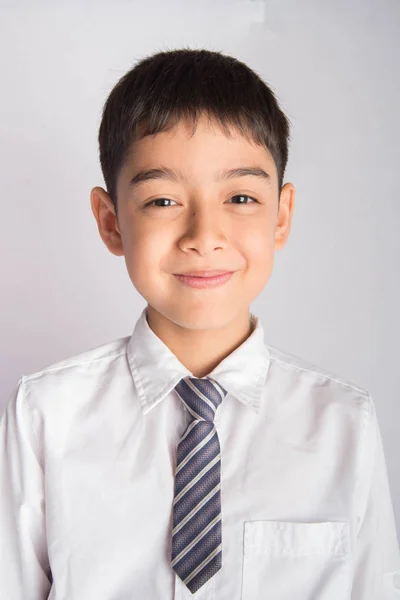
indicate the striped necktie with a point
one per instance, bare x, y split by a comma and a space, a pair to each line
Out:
197, 527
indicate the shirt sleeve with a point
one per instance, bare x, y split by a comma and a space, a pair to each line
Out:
376, 551
24, 566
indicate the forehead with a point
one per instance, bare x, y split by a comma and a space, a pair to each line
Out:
202, 147
204, 134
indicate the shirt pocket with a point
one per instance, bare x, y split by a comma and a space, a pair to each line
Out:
285, 560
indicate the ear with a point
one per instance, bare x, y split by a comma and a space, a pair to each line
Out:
107, 223
285, 213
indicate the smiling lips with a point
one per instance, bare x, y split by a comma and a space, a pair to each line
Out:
200, 280
209, 273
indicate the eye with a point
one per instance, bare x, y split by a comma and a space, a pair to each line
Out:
151, 203
244, 196
158, 200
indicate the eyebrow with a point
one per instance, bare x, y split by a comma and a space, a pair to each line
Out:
173, 175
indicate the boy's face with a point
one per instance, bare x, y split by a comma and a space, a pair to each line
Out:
201, 223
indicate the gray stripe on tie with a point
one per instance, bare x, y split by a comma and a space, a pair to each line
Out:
196, 539
196, 509
198, 476
203, 564
201, 395
196, 449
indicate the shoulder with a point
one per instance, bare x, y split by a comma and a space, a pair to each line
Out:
316, 383
101, 353
294, 363
313, 403
76, 378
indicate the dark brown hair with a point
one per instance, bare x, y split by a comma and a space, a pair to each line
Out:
185, 83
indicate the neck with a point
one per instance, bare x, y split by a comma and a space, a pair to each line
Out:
211, 345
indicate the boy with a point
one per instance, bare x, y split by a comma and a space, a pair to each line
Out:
191, 458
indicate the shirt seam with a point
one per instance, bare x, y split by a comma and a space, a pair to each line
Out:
38, 454
361, 466
77, 364
326, 376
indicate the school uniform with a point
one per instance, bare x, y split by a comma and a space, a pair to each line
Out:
88, 453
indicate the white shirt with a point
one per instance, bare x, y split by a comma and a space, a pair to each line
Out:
87, 460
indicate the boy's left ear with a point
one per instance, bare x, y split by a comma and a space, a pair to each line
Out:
285, 213
107, 223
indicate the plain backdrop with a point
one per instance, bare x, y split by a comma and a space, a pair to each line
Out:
333, 297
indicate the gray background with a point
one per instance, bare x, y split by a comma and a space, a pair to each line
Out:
333, 296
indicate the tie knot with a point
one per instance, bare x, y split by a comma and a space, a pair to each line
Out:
201, 396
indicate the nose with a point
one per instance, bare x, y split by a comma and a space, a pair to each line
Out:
204, 232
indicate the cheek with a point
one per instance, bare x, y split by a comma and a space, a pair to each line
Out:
144, 257
256, 244
258, 250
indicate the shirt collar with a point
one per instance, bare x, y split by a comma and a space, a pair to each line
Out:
156, 370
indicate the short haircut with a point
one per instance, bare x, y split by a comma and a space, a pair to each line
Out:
186, 83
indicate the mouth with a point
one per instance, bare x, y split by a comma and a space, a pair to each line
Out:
204, 282
210, 273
